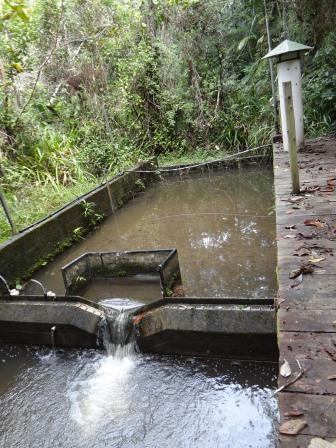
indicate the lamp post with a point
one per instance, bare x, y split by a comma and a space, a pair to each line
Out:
288, 57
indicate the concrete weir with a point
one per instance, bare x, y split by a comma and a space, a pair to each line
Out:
30, 322
207, 329
227, 327
169, 326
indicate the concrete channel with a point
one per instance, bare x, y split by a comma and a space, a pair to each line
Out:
229, 327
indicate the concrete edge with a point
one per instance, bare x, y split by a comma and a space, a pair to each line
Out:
25, 252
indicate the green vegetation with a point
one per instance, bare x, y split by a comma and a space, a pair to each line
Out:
91, 215
90, 87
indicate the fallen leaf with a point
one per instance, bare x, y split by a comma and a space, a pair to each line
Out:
303, 269
285, 369
331, 377
302, 252
331, 354
316, 259
293, 414
328, 189
295, 273
311, 189
296, 198
315, 223
292, 427
298, 281
307, 269
316, 442
306, 236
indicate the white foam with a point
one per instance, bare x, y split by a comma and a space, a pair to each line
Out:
105, 392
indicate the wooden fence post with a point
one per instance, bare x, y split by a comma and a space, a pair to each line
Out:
7, 212
290, 120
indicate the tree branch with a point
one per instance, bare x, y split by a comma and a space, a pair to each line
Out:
44, 63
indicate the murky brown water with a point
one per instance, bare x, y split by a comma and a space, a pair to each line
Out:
140, 288
222, 225
86, 399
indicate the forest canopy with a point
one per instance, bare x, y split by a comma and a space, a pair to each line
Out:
91, 86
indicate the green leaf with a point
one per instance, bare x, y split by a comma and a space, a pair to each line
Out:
18, 67
23, 15
243, 42
6, 16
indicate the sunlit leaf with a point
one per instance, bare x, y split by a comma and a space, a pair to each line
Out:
18, 67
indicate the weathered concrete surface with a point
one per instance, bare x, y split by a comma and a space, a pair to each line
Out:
23, 253
211, 330
220, 165
30, 322
306, 230
230, 331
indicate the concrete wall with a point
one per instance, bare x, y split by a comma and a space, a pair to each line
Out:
30, 322
229, 331
209, 330
23, 254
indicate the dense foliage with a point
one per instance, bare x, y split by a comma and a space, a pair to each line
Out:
90, 86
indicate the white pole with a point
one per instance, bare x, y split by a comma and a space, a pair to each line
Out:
290, 71
290, 119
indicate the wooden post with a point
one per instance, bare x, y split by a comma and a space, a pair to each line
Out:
291, 133
7, 213
5, 207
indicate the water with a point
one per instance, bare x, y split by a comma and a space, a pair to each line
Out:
86, 399
141, 287
224, 231
117, 327
222, 225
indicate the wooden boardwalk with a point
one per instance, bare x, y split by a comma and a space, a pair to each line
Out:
306, 238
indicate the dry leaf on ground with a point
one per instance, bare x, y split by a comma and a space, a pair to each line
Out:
332, 377
302, 252
292, 427
285, 369
293, 414
297, 282
316, 259
315, 223
316, 442
306, 236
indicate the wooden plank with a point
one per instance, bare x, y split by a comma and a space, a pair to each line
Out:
307, 320
307, 310
319, 411
321, 288
314, 346
298, 441
306, 303
315, 378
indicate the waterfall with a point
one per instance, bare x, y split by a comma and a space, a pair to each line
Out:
117, 328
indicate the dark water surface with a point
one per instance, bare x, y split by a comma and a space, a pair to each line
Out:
222, 225
86, 399
144, 288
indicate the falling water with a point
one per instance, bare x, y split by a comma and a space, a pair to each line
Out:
117, 328
52, 337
